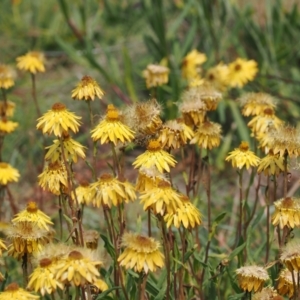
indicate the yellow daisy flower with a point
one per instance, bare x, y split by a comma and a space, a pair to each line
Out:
111, 129
33, 215
191, 64
108, 191
155, 156
207, 135
162, 199
72, 150
241, 71
217, 76
271, 164
287, 212
175, 134
143, 117
7, 108
208, 93
285, 284
77, 269
32, 61
186, 214
7, 76
58, 120
43, 278
141, 253
243, 157
100, 285
8, 174
87, 89
290, 255
2, 247
7, 126
84, 193
13, 291
26, 237
267, 293
251, 278
54, 178
54, 252
254, 104
156, 75
148, 178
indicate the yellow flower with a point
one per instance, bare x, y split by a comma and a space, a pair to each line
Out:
191, 64
84, 193
208, 93
8, 174
7, 108
71, 149
149, 178
243, 157
87, 89
26, 237
54, 178
285, 284
241, 71
77, 269
217, 76
52, 251
162, 199
33, 215
7, 76
287, 212
283, 140
111, 129
207, 135
290, 255
91, 238
155, 156
7, 126
100, 285
254, 104
2, 247
141, 253
58, 120
186, 214
156, 75
267, 293
193, 107
143, 117
43, 278
271, 164
109, 191
174, 134
13, 291
32, 61
251, 278
261, 122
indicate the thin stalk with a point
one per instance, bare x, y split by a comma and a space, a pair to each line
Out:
294, 285
240, 222
116, 165
149, 223
268, 219
33, 93
190, 184
60, 216
25, 268
180, 288
142, 286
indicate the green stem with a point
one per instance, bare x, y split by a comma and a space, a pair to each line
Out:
268, 219
34, 97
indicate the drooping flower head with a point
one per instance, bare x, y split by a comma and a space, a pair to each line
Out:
290, 255
7, 76
175, 134
7, 108
7, 126
243, 157
112, 129
141, 253
8, 174
207, 135
32, 62
241, 71
43, 279
156, 75
191, 64
87, 89
285, 285
251, 278
161, 199
2, 247
54, 178
271, 164
71, 149
254, 104
155, 156
13, 291
33, 215
186, 215
83, 192
91, 238
58, 120
267, 293
208, 93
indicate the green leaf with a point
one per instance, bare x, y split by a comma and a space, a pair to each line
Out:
109, 246
236, 251
215, 224
104, 295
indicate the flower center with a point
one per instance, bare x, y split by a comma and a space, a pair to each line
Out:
58, 107
106, 177
244, 146
45, 262
164, 184
86, 80
12, 287
143, 241
154, 145
75, 255
237, 67
84, 183
288, 202
54, 166
31, 207
112, 115
268, 111
3, 165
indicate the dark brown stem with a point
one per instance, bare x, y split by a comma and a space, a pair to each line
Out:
240, 222
149, 223
268, 219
